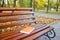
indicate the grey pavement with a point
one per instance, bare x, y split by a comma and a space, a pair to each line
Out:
56, 25
57, 30
48, 15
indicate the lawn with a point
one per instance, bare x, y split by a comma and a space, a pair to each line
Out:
49, 12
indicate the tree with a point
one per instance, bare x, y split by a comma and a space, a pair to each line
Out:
2, 3
14, 3
34, 4
30, 3
57, 4
8, 3
22, 3
48, 6
52, 3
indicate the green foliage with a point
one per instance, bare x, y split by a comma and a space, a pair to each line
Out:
52, 3
0, 2
21, 2
11, 3
27, 3
40, 3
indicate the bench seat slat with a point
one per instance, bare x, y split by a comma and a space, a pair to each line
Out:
13, 18
17, 30
17, 23
34, 32
8, 33
35, 36
24, 35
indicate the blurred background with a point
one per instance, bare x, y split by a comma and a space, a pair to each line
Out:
49, 6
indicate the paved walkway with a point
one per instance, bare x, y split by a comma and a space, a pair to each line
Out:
48, 15
57, 30
56, 25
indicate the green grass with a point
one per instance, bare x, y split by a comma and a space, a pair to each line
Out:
49, 12
54, 12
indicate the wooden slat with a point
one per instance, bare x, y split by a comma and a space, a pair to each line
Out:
16, 9
22, 12
17, 30
17, 23
18, 35
8, 33
5, 14
14, 18
38, 34
16, 13
27, 35
23, 9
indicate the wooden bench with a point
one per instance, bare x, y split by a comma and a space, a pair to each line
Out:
15, 9
18, 19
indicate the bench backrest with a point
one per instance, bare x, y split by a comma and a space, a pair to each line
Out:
16, 19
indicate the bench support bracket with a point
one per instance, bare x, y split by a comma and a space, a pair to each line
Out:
50, 34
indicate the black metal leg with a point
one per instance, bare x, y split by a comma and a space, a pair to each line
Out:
47, 36
34, 18
51, 34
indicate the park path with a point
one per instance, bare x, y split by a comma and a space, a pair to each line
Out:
57, 30
48, 15
56, 25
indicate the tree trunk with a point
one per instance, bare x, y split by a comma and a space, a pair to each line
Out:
21, 3
48, 6
31, 3
34, 5
2, 3
14, 3
57, 6
8, 3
